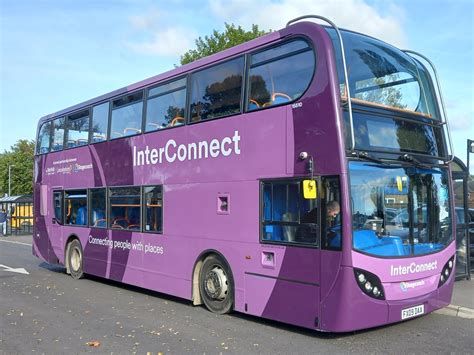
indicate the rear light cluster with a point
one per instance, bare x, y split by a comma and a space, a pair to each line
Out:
447, 269
369, 284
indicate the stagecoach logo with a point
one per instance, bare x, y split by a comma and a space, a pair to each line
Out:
405, 286
67, 166
79, 167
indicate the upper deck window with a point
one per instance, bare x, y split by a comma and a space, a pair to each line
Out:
216, 91
77, 132
280, 74
44, 138
165, 105
58, 134
127, 115
100, 121
382, 75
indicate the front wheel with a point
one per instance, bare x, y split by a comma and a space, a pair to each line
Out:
216, 285
75, 259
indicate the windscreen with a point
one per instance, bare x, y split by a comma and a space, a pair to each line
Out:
399, 211
383, 75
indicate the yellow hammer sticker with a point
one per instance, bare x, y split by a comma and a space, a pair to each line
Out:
309, 189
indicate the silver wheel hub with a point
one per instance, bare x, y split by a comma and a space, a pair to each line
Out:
216, 284
75, 259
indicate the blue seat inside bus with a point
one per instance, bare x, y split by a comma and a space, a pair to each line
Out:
280, 98
253, 105
81, 217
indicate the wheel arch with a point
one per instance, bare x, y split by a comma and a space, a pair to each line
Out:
195, 292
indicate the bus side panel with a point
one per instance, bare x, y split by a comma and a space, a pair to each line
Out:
282, 283
96, 255
193, 226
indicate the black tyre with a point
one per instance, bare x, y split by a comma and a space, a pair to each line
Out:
216, 285
75, 259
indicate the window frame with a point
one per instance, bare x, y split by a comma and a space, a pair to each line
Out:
166, 82
112, 109
38, 146
213, 65
51, 142
311, 48
64, 207
293, 180
66, 130
91, 131
324, 201
143, 209
365, 113
109, 207
61, 194
89, 204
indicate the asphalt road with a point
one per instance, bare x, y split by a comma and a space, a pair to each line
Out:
49, 312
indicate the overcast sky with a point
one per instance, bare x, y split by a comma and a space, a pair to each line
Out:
57, 53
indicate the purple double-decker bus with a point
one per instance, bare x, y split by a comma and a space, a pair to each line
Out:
301, 177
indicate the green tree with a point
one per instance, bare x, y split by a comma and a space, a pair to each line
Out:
218, 41
21, 155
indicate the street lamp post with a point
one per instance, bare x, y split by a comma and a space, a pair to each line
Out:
470, 149
10, 166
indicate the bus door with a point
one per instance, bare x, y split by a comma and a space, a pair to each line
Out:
331, 240
56, 220
284, 285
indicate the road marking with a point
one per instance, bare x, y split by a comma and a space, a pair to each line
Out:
18, 270
13, 242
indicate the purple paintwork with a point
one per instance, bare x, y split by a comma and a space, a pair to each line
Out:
303, 286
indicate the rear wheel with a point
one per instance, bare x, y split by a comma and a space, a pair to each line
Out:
216, 285
75, 259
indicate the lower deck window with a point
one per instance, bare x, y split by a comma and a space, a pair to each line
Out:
58, 206
153, 208
98, 207
124, 210
286, 216
76, 207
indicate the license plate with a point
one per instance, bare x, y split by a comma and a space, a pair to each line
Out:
413, 311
